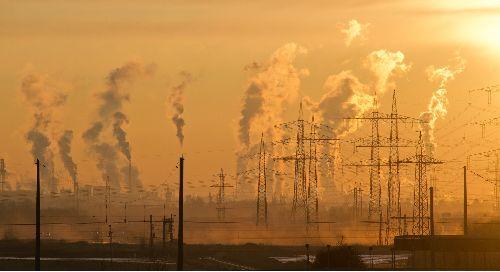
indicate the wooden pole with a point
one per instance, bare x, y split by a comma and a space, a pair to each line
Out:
465, 200
37, 234
180, 238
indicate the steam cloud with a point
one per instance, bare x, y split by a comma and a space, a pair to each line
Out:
437, 107
352, 30
269, 91
44, 99
176, 101
64, 144
346, 96
110, 113
385, 64
274, 86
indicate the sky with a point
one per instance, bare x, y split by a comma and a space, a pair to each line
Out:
76, 45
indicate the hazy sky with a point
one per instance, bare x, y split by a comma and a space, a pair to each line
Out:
76, 44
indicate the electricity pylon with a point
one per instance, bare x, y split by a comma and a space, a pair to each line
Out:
312, 189
421, 188
262, 185
393, 184
302, 189
221, 202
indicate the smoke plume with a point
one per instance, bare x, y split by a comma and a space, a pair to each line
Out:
176, 100
352, 30
274, 86
385, 64
111, 120
269, 91
437, 107
121, 135
44, 98
64, 143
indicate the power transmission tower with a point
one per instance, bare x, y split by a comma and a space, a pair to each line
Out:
299, 183
393, 183
305, 194
421, 188
221, 202
312, 190
375, 200
262, 185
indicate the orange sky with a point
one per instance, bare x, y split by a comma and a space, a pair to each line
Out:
77, 43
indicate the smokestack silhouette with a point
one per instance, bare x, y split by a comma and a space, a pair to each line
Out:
176, 100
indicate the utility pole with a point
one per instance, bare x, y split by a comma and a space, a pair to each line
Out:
262, 185
107, 196
171, 228
163, 232
37, 230
151, 232
3, 174
110, 236
180, 238
465, 200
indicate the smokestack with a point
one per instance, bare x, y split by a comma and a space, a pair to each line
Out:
180, 238
130, 175
465, 200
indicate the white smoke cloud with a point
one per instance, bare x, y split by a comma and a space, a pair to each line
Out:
352, 30
437, 107
275, 86
385, 64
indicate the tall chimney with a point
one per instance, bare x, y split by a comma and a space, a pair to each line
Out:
180, 238
130, 175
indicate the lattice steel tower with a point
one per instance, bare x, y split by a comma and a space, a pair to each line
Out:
420, 193
299, 205
312, 190
262, 185
221, 202
375, 201
393, 184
